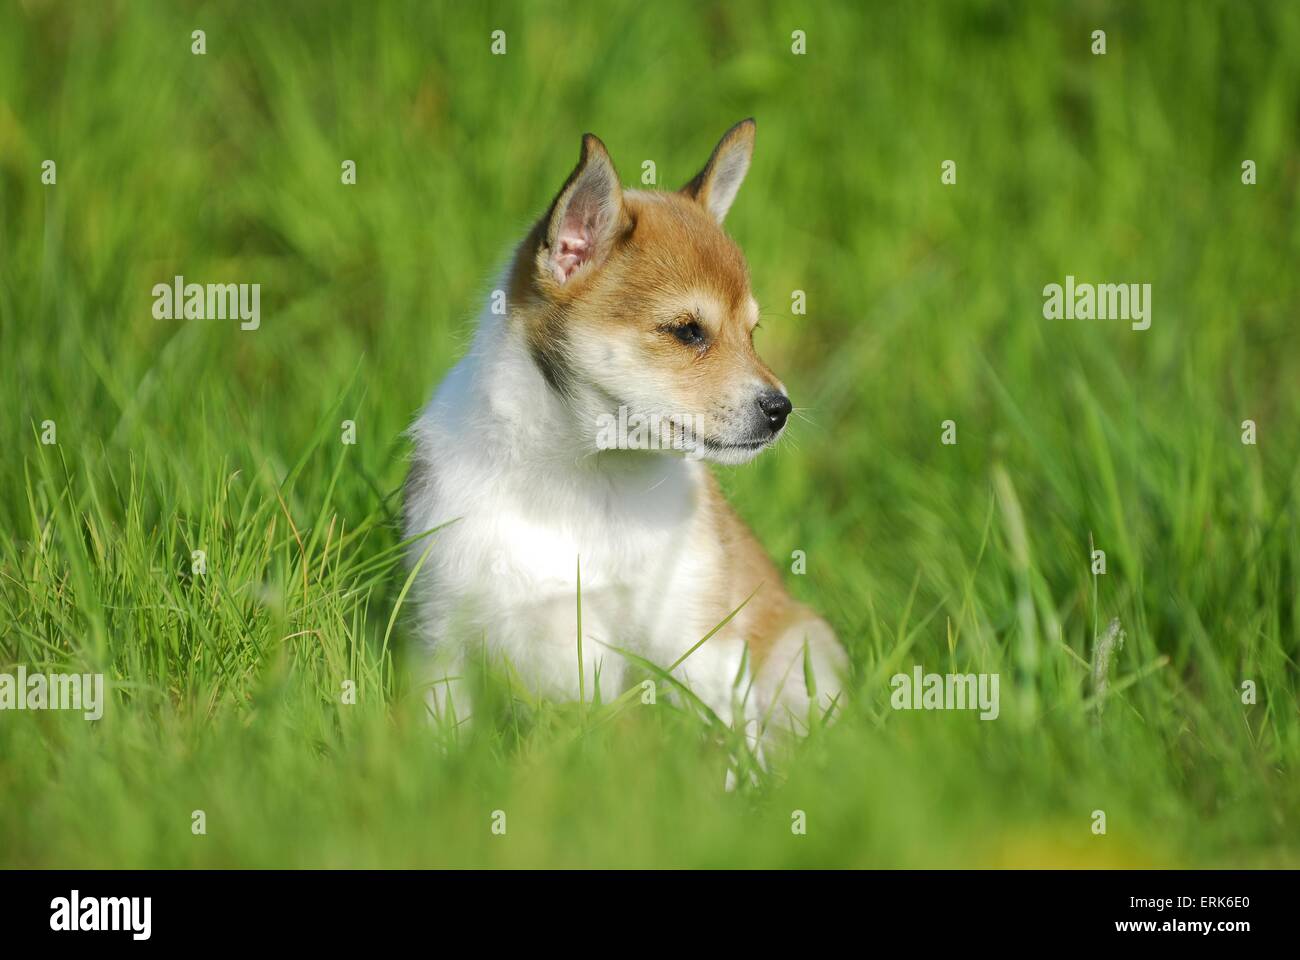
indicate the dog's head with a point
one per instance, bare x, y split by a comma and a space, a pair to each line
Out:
636, 306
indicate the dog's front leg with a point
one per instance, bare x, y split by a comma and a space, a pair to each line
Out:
718, 674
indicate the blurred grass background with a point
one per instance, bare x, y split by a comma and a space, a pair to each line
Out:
924, 304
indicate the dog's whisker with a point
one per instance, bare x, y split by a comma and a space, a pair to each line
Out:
801, 413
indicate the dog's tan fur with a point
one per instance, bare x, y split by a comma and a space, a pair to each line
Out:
666, 249
595, 291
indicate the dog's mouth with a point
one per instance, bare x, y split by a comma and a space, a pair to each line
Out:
633, 429
733, 452
720, 445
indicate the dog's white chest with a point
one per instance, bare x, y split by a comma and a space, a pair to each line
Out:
635, 554
530, 510
506, 572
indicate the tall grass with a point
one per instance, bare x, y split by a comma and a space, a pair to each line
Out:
924, 305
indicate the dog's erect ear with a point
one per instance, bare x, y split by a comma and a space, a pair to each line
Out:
587, 215
715, 186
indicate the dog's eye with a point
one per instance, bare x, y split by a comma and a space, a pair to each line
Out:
689, 333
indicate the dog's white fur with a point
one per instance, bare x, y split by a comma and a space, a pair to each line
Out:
507, 462
531, 501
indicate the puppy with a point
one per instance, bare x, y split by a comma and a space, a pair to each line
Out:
615, 356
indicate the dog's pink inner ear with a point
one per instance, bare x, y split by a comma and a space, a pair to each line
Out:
586, 215
575, 241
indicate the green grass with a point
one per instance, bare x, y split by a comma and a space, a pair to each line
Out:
924, 305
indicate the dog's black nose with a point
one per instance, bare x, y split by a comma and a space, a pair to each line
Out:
776, 407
